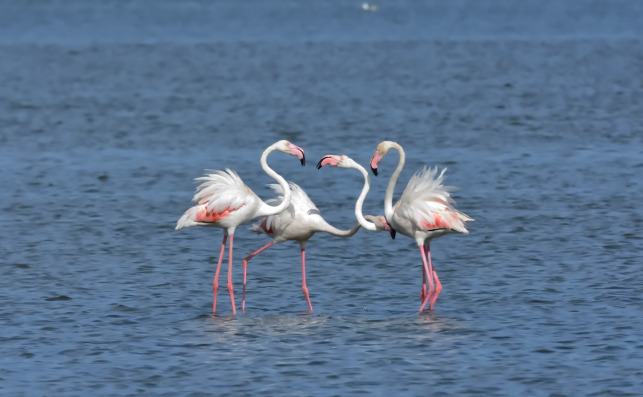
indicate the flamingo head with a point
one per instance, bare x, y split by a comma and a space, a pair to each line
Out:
381, 224
293, 150
381, 150
334, 160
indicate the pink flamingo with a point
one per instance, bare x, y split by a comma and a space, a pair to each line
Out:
299, 222
225, 201
424, 211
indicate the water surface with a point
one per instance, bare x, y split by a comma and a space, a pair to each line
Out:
535, 110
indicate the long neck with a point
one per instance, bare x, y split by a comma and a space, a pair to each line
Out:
361, 221
326, 227
360, 200
265, 209
388, 197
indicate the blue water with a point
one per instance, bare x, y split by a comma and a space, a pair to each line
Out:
108, 110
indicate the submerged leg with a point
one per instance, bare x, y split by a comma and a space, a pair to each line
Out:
215, 282
428, 271
230, 286
245, 265
438, 284
304, 288
438, 289
423, 290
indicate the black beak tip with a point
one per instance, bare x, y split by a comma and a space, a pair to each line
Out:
319, 164
303, 160
393, 232
374, 170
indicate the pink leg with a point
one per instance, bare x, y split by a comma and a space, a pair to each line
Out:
423, 291
245, 265
230, 287
427, 271
438, 289
438, 285
304, 288
215, 282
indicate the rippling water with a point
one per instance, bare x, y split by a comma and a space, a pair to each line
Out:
109, 110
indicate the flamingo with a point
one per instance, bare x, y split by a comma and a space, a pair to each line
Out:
225, 201
299, 222
423, 212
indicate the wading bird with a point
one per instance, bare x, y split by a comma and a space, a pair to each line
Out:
423, 212
225, 201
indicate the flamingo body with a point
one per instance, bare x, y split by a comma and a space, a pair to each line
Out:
224, 201
425, 209
298, 222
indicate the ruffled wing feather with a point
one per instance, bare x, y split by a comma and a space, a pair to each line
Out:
427, 203
222, 190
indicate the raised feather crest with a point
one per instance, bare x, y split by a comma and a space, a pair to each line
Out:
425, 195
221, 190
425, 186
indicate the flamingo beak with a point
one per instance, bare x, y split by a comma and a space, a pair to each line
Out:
297, 152
375, 160
319, 164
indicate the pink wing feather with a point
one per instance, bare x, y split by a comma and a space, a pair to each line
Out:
427, 203
219, 194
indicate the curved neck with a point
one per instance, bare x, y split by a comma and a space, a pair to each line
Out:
388, 197
360, 200
327, 228
266, 209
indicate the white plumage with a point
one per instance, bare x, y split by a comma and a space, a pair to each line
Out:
427, 206
220, 191
299, 221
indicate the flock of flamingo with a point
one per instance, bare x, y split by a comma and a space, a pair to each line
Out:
424, 211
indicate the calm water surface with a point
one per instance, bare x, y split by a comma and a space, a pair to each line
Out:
109, 110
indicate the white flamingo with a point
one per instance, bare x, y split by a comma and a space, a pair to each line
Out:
299, 222
225, 201
423, 212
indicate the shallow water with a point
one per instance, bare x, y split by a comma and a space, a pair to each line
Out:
536, 112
